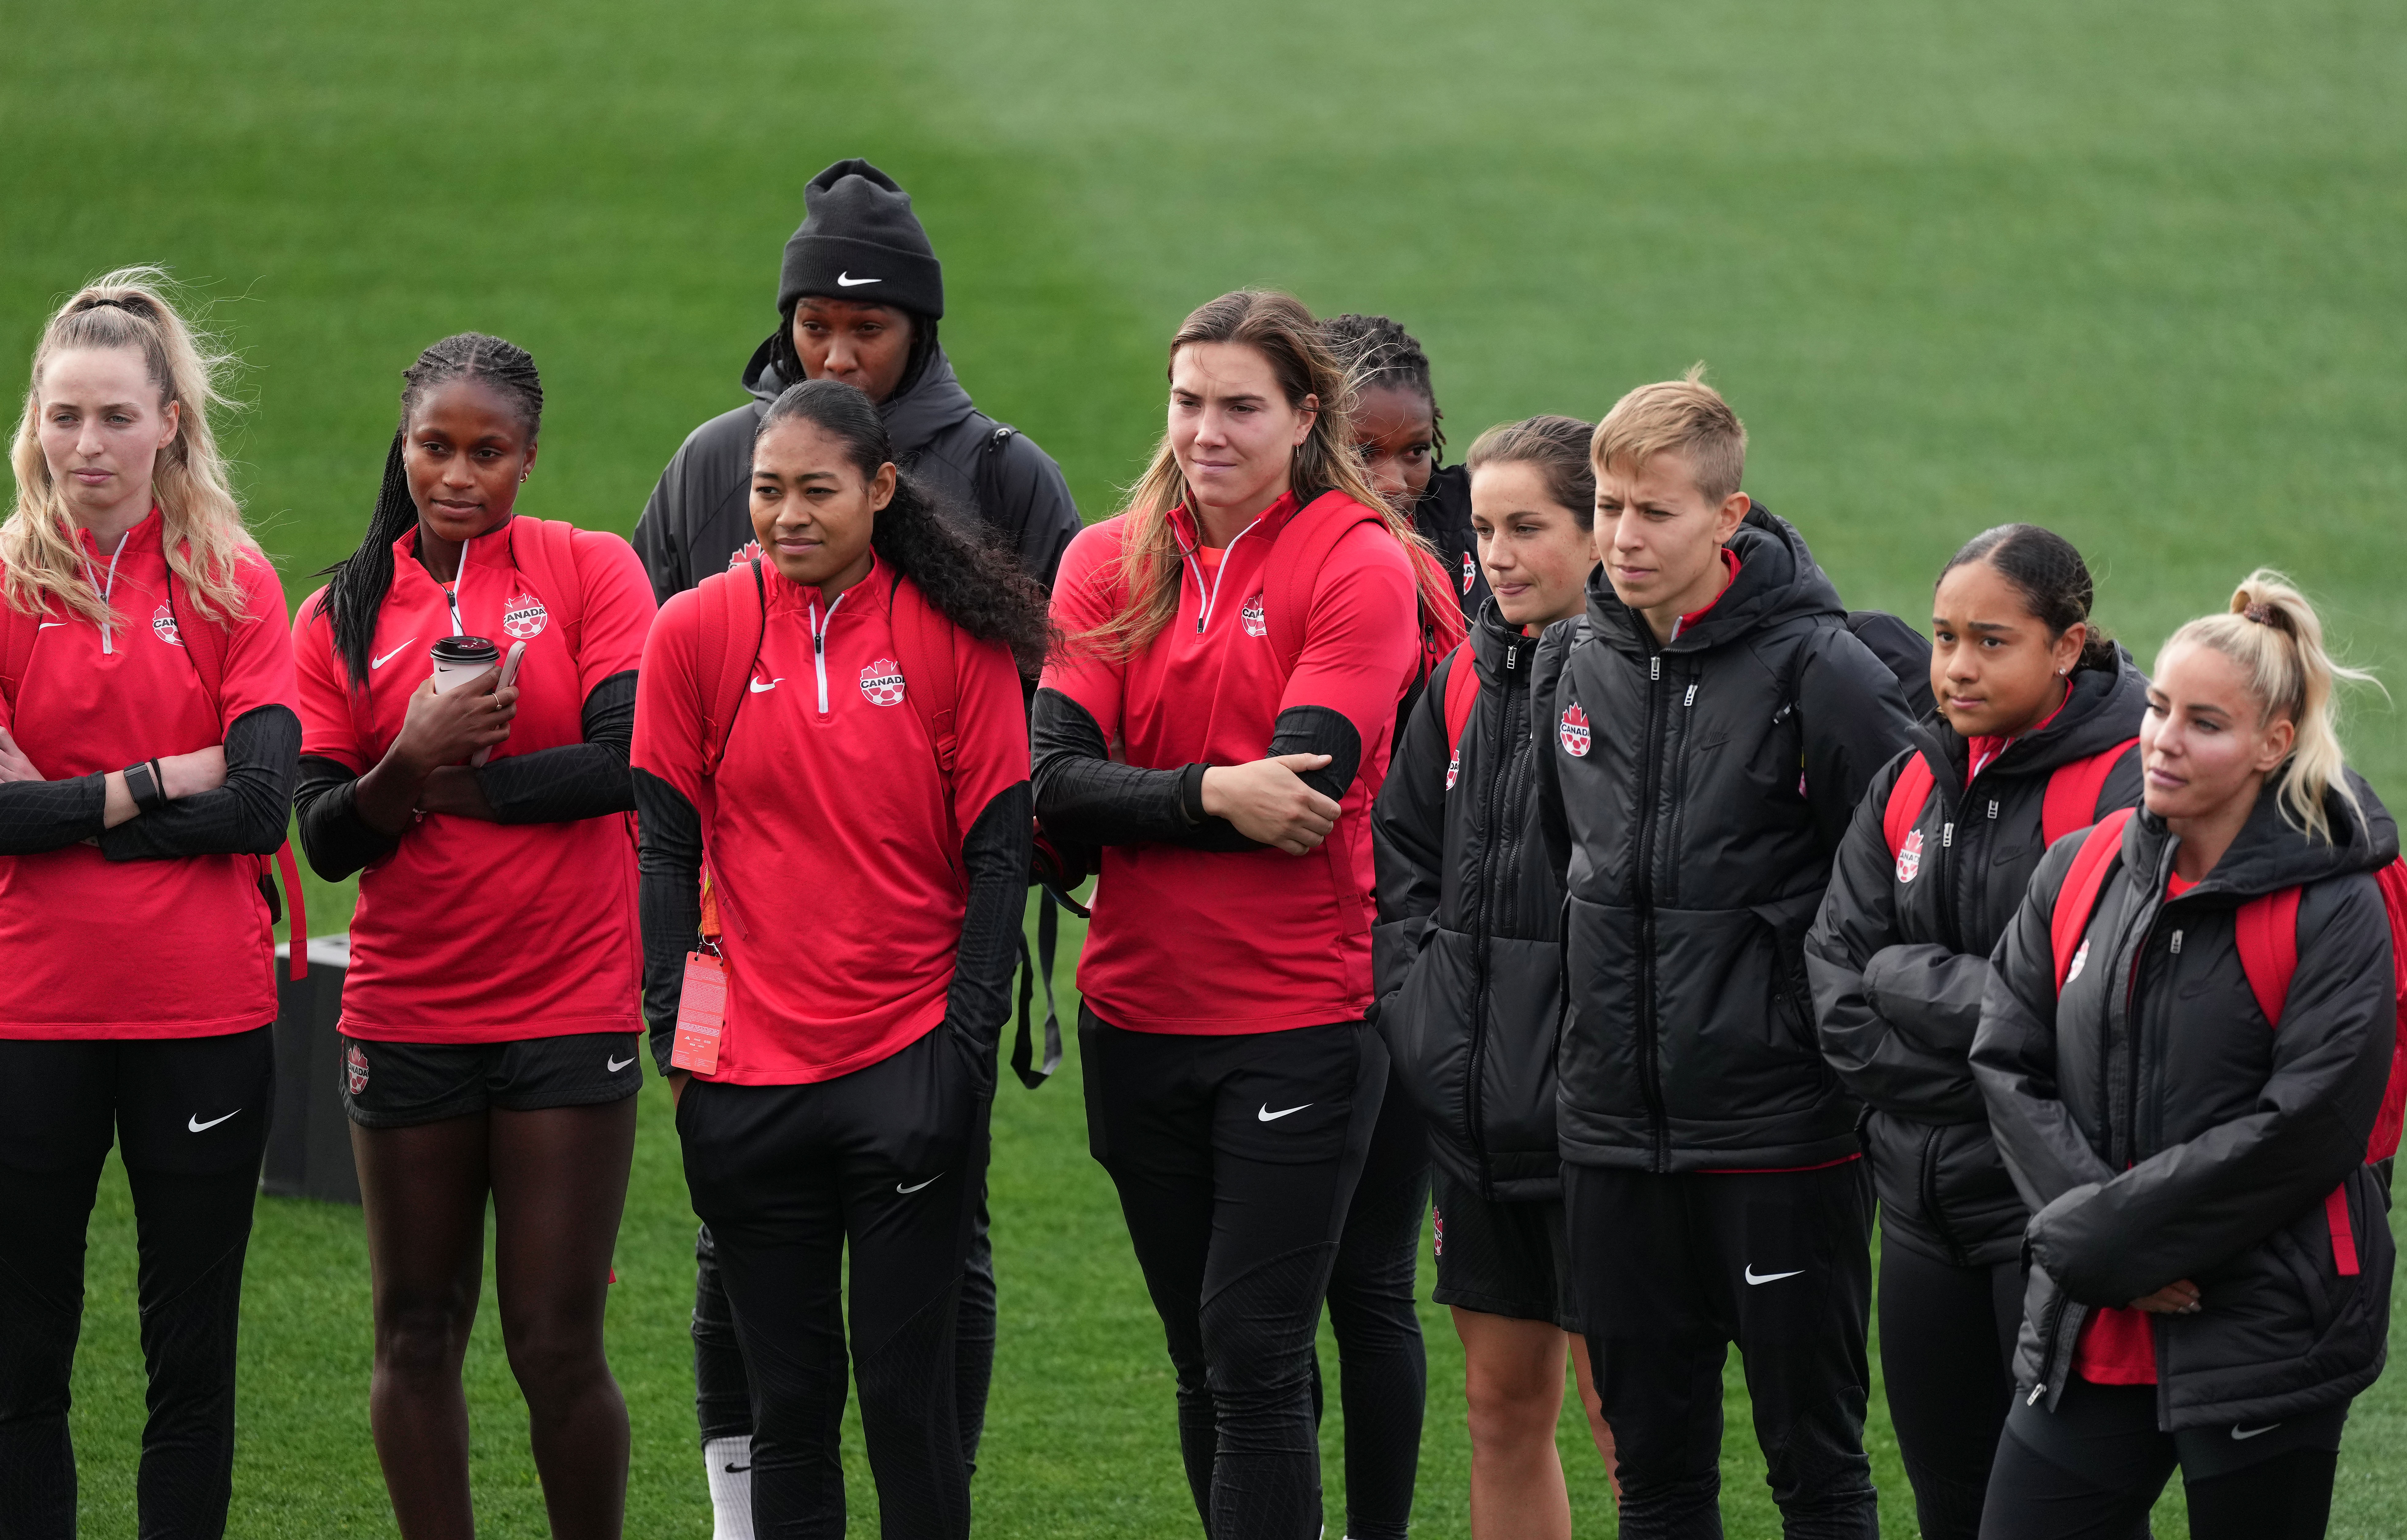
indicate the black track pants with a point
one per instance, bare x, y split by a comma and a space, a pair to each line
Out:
191, 1115
1382, 1373
2092, 1468
1235, 1158
722, 1395
1947, 1344
1670, 1272
888, 1161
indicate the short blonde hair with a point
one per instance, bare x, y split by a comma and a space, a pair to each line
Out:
1684, 416
2275, 636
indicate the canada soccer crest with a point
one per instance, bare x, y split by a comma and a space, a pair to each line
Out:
1453, 768
355, 1068
1252, 619
523, 616
1575, 732
1909, 857
881, 682
162, 625
1469, 572
745, 557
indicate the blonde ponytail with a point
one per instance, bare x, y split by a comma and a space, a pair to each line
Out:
1282, 331
2274, 634
204, 532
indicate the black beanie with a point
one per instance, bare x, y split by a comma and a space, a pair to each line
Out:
860, 240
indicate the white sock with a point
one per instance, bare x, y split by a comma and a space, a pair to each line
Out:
728, 1461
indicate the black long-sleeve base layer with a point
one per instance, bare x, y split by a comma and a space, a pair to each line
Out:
244, 816
562, 785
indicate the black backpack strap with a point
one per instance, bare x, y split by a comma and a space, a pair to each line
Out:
1049, 948
987, 478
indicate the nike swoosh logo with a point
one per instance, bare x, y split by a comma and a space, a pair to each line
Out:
194, 1124
618, 1064
845, 280
1753, 1277
738, 1470
47, 624
379, 663
2239, 1432
758, 688
1266, 1115
900, 1188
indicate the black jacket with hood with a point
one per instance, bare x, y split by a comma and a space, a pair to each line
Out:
1900, 959
1467, 952
700, 513
1693, 794
2159, 1131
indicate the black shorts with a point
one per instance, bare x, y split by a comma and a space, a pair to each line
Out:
1501, 1259
398, 1085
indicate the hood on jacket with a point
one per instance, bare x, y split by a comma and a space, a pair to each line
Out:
2270, 854
1777, 580
924, 408
2102, 709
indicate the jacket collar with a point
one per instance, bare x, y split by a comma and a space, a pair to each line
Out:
1777, 581
2102, 709
915, 415
1267, 524
2269, 854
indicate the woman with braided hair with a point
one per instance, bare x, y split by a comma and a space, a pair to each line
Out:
1400, 433
490, 1025
147, 740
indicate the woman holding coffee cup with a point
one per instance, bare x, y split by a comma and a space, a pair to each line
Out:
467, 683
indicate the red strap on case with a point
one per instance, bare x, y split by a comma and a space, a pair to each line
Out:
1906, 800
2073, 789
2082, 885
2343, 1238
1462, 694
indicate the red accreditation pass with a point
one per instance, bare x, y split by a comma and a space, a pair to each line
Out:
702, 1012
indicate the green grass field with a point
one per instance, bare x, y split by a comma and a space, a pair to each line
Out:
2130, 272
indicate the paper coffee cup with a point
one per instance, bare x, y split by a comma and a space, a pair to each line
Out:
460, 659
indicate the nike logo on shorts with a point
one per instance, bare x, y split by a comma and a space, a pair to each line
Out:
845, 280
194, 1124
1753, 1277
758, 686
1267, 1116
900, 1188
379, 663
738, 1470
614, 1066
2239, 1432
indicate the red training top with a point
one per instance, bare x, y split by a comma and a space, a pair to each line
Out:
474, 932
201, 957
1208, 942
825, 824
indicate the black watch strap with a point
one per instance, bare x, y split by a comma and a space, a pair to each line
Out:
142, 784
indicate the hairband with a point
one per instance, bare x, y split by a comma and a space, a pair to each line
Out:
125, 305
2261, 614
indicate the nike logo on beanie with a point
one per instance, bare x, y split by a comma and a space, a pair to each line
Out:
846, 280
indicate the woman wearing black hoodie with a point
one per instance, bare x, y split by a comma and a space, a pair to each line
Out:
2038, 717
2211, 1260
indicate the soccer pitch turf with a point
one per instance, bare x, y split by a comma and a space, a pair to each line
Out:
2130, 274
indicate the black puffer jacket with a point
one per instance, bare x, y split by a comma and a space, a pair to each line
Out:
1694, 794
1900, 957
700, 513
1467, 952
1443, 516
2159, 1131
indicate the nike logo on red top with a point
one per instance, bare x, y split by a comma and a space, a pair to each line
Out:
760, 685
379, 663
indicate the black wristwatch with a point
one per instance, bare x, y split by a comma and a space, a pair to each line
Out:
142, 784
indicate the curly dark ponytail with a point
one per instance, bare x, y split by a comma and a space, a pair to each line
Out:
2053, 579
362, 579
972, 583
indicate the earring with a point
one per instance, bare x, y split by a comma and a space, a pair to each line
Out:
522, 476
